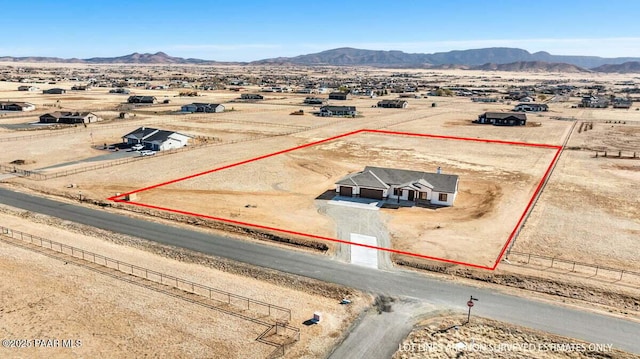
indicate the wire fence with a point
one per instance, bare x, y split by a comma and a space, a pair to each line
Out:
538, 194
574, 266
262, 309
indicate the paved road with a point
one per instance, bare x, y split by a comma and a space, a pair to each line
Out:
592, 327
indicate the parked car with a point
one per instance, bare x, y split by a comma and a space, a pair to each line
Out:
147, 153
137, 147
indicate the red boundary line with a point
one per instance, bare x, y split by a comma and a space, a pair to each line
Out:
118, 198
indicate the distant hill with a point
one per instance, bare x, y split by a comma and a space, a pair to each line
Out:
347, 56
624, 68
475, 57
532, 66
135, 58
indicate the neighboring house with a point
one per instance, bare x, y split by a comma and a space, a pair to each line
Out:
330, 111
393, 104
54, 91
27, 88
594, 102
251, 96
339, 96
142, 99
388, 184
622, 103
502, 119
68, 117
17, 106
314, 101
531, 107
484, 99
80, 88
156, 140
122, 91
202, 107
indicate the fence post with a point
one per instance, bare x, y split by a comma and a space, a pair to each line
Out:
574, 267
597, 270
621, 273
552, 259
529, 258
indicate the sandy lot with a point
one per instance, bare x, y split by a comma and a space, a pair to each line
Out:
446, 337
587, 212
42, 298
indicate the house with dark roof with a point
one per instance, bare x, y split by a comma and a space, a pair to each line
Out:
314, 101
531, 107
393, 104
142, 99
620, 102
68, 117
156, 140
251, 96
339, 96
27, 88
502, 119
202, 107
338, 111
17, 106
54, 91
594, 102
390, 184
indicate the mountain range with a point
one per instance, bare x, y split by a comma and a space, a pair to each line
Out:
496, 58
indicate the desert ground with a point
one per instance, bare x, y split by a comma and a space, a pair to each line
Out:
450, 336
587, 212
113, 318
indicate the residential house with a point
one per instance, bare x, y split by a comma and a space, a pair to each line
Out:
202, 107
251, 96
142, 99
401, 185
314, 101
120, 90
393, 104
339, 96
80, 88
531, 107
332, 111
54, 91
502, 119
27, 88
17, 106
156, 140
68, 117
619, 102
594, 102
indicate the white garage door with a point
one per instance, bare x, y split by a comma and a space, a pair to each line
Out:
363, 256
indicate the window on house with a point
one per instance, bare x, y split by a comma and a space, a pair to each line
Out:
396, 192
442, 197
423, 195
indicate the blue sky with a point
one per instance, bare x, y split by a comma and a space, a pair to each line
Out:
251, 30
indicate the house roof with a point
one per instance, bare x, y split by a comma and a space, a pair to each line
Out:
504, 115
60, 114
140, 133
159, 136
392, 102
383, 178
338, 108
